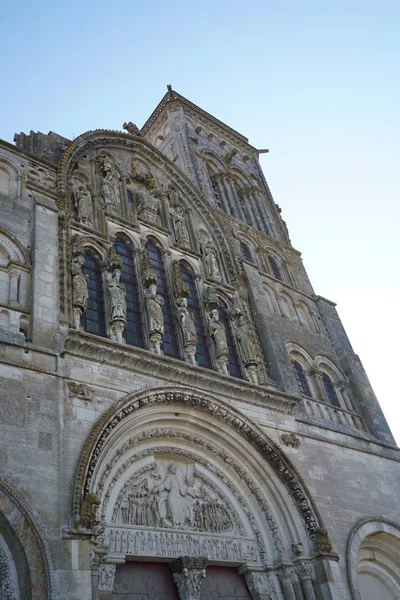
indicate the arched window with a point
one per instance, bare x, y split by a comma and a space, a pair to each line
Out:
301, 379
202, 351
5, 181
246, 251
170, 343
233, 361
330, 390
93, 318
275, 268
134, 327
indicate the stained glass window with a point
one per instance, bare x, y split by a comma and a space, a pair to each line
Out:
202, 351
170, 343
233, 361
330, 390
274, 267
134, 328
93, 319
245, 251
301, 379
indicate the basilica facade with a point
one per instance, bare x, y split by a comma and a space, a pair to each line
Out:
182, 416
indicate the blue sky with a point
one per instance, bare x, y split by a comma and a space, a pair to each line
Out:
315, 82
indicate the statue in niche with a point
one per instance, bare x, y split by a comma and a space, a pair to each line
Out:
83, 204
245, 336
210, 256
181, 231
116, 295
154, 303
218, 334
149, 205
109, 187
188, 328
79, 281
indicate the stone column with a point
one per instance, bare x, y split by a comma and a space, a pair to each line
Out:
285, 577
304, 571
189, 574
13, 288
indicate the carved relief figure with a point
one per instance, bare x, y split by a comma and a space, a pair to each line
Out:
248, 348
117, 294
109, 186
79, 281
217, 331
83, 204
149, 205
175, 505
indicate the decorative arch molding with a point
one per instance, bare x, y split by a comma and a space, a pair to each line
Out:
33, 541
372, 526
106, 139
16, 252
192, 401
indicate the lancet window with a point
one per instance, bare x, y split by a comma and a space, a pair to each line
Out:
301, 379
233, 360
134, 326
275, 268
202, 350
330, 390
170, 342
93, 319
246, 251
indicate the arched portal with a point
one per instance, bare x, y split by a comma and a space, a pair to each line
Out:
176, 473
374, 560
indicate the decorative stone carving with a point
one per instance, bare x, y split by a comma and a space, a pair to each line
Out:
209, 256
88, 511
218, 334
285, 576
297, 548
131, 128
181, 232
322, 542
260, 586
169, 544
290, 439
106, 577
283, 224
116, 295
79, 282
110, 187
168, 498
154, 304
83, 205
6, 584
80, 390
248, 347
41, 178
304, 571
189, 574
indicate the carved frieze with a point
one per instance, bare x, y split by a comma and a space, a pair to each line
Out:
39, 177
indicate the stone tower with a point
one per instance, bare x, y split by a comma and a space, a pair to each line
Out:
183, 417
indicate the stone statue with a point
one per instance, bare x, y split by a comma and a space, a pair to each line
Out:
217, 331
149, 205
131, 128
177, 508
181, 231
210, 256
248, 347
89, 511
154, 303
188, 328
117, 293
83, 204
109, 187
79, 281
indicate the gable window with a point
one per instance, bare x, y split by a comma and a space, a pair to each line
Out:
330, 390
93, 319
134, 327
170, 343
202, 351
301, 379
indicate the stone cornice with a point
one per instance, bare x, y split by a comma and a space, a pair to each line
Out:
164, 368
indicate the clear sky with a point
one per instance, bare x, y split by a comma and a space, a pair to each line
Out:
315, 82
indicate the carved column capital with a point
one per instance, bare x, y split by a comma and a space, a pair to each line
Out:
285, 577
188, 574
304, 571
106, 577
260, 586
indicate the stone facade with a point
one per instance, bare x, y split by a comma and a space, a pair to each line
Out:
173, 390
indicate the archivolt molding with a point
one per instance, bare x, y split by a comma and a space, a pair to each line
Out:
220, 410
17, 253
361, 530
40, 538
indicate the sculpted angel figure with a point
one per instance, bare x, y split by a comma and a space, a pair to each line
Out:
83, 203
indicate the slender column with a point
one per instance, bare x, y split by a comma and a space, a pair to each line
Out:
13, 288
188, 574
285, 577
304, 571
